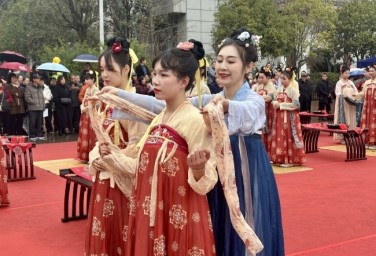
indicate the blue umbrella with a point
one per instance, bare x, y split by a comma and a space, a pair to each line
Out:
86, 58
356, 72
49, 66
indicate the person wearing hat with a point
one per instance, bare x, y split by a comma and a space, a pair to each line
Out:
344, 112
305, 89
35, 101
17, 106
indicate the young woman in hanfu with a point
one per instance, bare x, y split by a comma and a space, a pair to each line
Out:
344, 111
109, 202
266, 89
169, 212
369, 106
86, 136
245, 119
287, 148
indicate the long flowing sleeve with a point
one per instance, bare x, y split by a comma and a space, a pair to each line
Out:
338, 89
199, 138
294, 104
246, 116
144, 101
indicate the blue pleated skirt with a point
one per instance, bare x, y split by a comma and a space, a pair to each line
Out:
265, 200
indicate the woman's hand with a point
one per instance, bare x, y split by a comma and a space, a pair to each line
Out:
98, 165
276, 105
104, 149
196, 160
109, 89
219, 99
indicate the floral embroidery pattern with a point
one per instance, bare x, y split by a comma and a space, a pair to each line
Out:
210, 222
108, 207
161, 205
178, 217
132, 206
170, 167
181, 190
160, 246
196, 217
196, 252
146, 205
144, 161
175, 246
125, 233
96, 228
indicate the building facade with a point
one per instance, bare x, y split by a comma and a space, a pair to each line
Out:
194, 19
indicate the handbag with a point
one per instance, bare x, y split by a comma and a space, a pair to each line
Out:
65, 101
5, 106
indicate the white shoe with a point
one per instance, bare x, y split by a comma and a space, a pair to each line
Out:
286, 165
372, 147
366, 146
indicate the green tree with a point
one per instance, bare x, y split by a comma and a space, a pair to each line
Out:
308, 24
356, 30
259, 16
23, 30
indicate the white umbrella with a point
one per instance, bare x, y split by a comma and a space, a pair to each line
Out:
49, 66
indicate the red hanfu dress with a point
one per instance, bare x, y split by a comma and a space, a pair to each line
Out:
169, 213
267, 90
109, 204
369, 111
287, 142
86, 136
4, 196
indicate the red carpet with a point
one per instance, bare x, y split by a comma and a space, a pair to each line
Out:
328, 211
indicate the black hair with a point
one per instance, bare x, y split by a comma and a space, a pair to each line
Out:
199, 51
121, 57
182, 62
91, 75
9, 78
264, 70
246, 48
288, 73
140, 79
344, 68
59, 78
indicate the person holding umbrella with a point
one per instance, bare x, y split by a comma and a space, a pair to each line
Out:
15, 98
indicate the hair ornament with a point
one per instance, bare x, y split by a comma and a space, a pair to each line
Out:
116, 47
243, 36
185, 46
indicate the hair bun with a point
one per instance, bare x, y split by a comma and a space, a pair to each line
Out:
198, 49
125, 45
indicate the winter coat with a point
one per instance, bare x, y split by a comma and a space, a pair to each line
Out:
34, 97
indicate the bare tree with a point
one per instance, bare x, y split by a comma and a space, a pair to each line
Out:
79, 16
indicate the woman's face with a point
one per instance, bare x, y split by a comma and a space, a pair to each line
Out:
116, 77
262, 79
285, 80
346, 74
372, 73
166, 84
143, 81
229, 67
89, 81
62, 81
13, 80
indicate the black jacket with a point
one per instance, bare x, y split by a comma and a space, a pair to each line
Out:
323, 89
305, 90
140, 71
